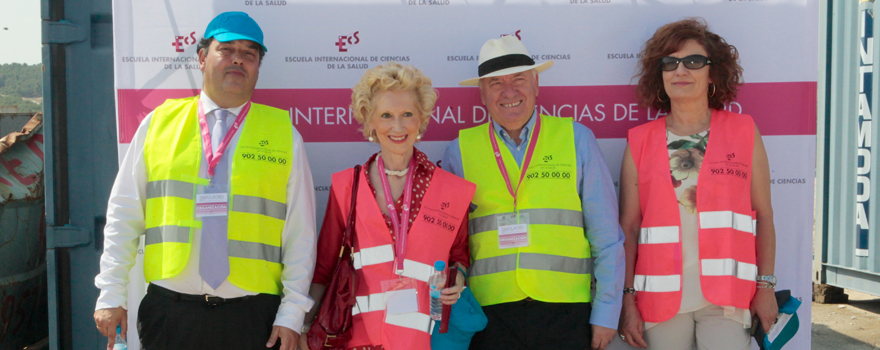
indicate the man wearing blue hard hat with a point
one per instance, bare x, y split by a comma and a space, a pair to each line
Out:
221, 190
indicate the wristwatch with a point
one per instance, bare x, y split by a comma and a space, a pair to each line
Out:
767, 278
630, 291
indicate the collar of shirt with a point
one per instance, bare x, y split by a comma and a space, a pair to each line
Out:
422, 162
209, 106
523, 135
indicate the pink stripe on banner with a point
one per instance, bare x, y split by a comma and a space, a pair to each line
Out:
322, 115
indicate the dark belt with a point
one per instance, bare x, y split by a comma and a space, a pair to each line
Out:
202, 298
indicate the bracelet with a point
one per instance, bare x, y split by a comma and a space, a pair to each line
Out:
463, 272
765, 285
629, 291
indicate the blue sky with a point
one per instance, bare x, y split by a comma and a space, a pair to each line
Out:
20, 31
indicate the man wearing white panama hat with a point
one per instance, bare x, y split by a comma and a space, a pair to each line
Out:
544, 217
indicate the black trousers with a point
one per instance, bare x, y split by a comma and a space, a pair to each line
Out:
532, 324
166, 322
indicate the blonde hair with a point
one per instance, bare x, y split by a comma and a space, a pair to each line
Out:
392, 76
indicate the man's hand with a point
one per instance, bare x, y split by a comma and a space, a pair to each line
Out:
108, 319
602, 336
289, 338
764, 305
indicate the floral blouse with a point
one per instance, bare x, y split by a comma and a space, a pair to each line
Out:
685, 160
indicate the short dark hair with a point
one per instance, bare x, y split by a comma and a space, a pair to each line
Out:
204, 44
725, 71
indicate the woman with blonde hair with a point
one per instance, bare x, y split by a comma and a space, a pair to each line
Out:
409, 215
692, 184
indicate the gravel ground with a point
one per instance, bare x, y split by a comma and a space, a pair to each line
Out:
851, 326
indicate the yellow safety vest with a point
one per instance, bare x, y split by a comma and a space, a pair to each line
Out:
261, 167
556, 265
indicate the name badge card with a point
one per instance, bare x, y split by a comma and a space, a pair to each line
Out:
401, 296
513, 230
211, 204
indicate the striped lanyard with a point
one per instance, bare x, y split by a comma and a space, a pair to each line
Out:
399, 222
533, 141
210, 155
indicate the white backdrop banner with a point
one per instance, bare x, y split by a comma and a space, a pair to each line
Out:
318, 50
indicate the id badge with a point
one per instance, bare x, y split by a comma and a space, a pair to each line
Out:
513, 230
401, 296
211, 204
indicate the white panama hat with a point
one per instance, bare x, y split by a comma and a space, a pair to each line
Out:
503, 56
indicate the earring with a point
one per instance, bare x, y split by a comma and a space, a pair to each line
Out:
370, 138
713, 89
659, 91
419, 137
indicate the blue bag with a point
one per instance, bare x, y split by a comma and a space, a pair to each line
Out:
466, 319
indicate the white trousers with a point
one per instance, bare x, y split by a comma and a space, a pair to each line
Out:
707, 328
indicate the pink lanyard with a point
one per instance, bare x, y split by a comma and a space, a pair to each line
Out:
399, 223
533, 141
214, 157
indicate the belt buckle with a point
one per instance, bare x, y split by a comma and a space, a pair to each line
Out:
327, 339
212, 303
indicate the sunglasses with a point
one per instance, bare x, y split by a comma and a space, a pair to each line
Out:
691, 62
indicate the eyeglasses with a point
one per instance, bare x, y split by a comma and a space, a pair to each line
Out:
691, 62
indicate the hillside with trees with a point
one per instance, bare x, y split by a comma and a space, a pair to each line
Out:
18, 81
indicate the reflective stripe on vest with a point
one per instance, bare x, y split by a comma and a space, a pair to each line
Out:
729, 267
172, 155
723, 205
727, 219
385, 254
167, 233
562, 217
532, 261
374, 258
556, 266
670, 283
376, 302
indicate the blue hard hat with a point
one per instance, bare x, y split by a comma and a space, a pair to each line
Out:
234, 25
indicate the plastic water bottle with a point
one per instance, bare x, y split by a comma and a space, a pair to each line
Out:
437, 283
120, 342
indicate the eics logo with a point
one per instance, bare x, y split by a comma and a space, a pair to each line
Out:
347, 41
187, 40
516, 34
731, 156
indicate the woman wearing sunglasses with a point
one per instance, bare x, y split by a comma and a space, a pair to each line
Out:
695, 202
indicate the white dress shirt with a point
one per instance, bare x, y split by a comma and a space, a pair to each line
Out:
125, 226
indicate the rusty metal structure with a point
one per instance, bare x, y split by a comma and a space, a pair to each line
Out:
23, 306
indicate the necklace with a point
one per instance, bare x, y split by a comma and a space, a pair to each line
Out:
399, 173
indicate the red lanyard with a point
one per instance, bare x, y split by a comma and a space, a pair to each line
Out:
214, 157
399, 223
533, 141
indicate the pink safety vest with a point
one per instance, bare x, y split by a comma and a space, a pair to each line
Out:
430, 238
726, 220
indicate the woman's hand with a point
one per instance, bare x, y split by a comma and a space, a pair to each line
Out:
303, 341
764, 305
451, 295
632, 328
